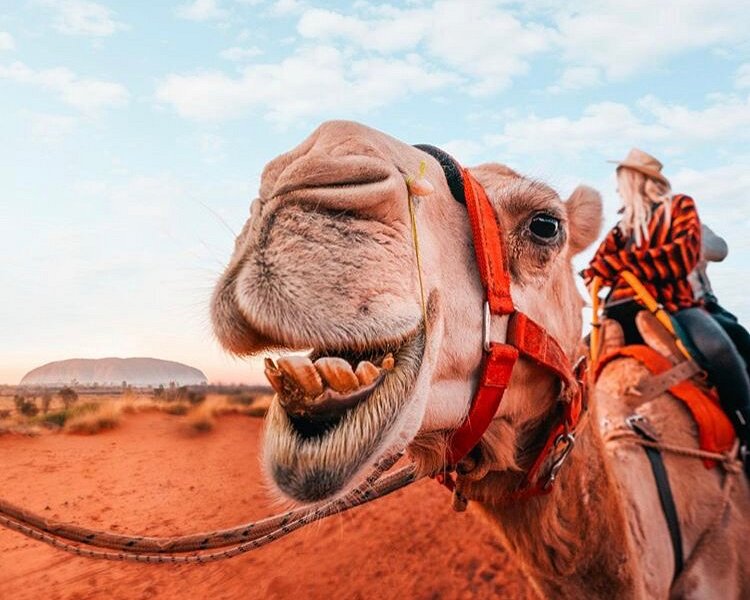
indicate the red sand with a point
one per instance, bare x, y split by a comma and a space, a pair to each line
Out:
151, 476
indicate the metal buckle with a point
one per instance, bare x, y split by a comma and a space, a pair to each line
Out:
559, 459
642, 427
487, 326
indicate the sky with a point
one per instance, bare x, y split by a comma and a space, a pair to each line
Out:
134, 134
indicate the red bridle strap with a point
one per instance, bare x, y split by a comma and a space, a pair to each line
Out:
499, 359
488, 247
525, 338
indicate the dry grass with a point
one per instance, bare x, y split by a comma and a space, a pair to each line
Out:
105, 416
202, 418
95, 413
139, 404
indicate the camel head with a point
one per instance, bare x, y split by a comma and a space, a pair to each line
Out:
326, 265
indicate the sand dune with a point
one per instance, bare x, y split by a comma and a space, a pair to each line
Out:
154, 477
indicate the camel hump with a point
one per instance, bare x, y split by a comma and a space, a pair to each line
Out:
715, 431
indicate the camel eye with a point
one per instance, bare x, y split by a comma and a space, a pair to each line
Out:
545, 227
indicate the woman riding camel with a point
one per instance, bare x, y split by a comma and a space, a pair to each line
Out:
658, 239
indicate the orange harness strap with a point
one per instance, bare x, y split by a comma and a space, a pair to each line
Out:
715, 431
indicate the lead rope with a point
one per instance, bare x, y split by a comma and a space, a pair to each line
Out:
239, 540
417, 187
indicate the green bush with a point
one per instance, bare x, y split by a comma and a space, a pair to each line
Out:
57, 418
26, 406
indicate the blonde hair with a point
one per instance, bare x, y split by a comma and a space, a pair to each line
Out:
639, 193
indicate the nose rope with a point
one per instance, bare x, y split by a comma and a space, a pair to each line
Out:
418, 187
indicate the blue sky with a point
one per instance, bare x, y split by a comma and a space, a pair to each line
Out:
134, 134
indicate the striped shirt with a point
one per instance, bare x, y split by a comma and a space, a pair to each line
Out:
662, 263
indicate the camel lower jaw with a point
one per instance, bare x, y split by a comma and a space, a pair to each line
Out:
310, 461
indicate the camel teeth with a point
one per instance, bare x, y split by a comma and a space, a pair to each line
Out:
337, 373
366, 372
275, 379
268, 363
302, 371
388, 362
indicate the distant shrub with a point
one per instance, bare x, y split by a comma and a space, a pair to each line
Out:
25, 406
202, 423
59, 418
68, 396
201, 418
46, 402
5, 413
176, 409
106, 416
243, 399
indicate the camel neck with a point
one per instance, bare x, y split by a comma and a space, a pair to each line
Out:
575, 538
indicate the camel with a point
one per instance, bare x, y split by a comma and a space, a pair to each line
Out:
327, 262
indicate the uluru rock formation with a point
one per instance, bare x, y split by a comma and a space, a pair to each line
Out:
138, 372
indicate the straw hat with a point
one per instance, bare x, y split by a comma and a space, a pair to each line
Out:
641, 161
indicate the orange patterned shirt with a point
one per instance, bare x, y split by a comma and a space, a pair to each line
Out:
662, 263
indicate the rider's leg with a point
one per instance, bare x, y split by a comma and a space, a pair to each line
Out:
624, 313
724, 365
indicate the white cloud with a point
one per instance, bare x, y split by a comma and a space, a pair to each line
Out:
202, 10
479, 38
313, 81
604, 127
624, 38
50, 128
610, 128
486, 41
82, 93
283, 8
402, 31
495, 41
726, 117
238, 54
575, 78
81, 17
6, 41
742, 76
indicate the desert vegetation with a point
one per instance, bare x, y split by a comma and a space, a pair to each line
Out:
86, 410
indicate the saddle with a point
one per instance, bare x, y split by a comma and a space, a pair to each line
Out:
670, 371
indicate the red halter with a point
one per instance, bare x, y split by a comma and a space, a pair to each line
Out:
524, 338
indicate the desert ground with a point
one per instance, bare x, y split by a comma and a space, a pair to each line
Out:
156, 474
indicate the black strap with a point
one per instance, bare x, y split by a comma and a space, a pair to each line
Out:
451, 169
639, 424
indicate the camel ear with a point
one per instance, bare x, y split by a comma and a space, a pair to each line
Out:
585, 215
